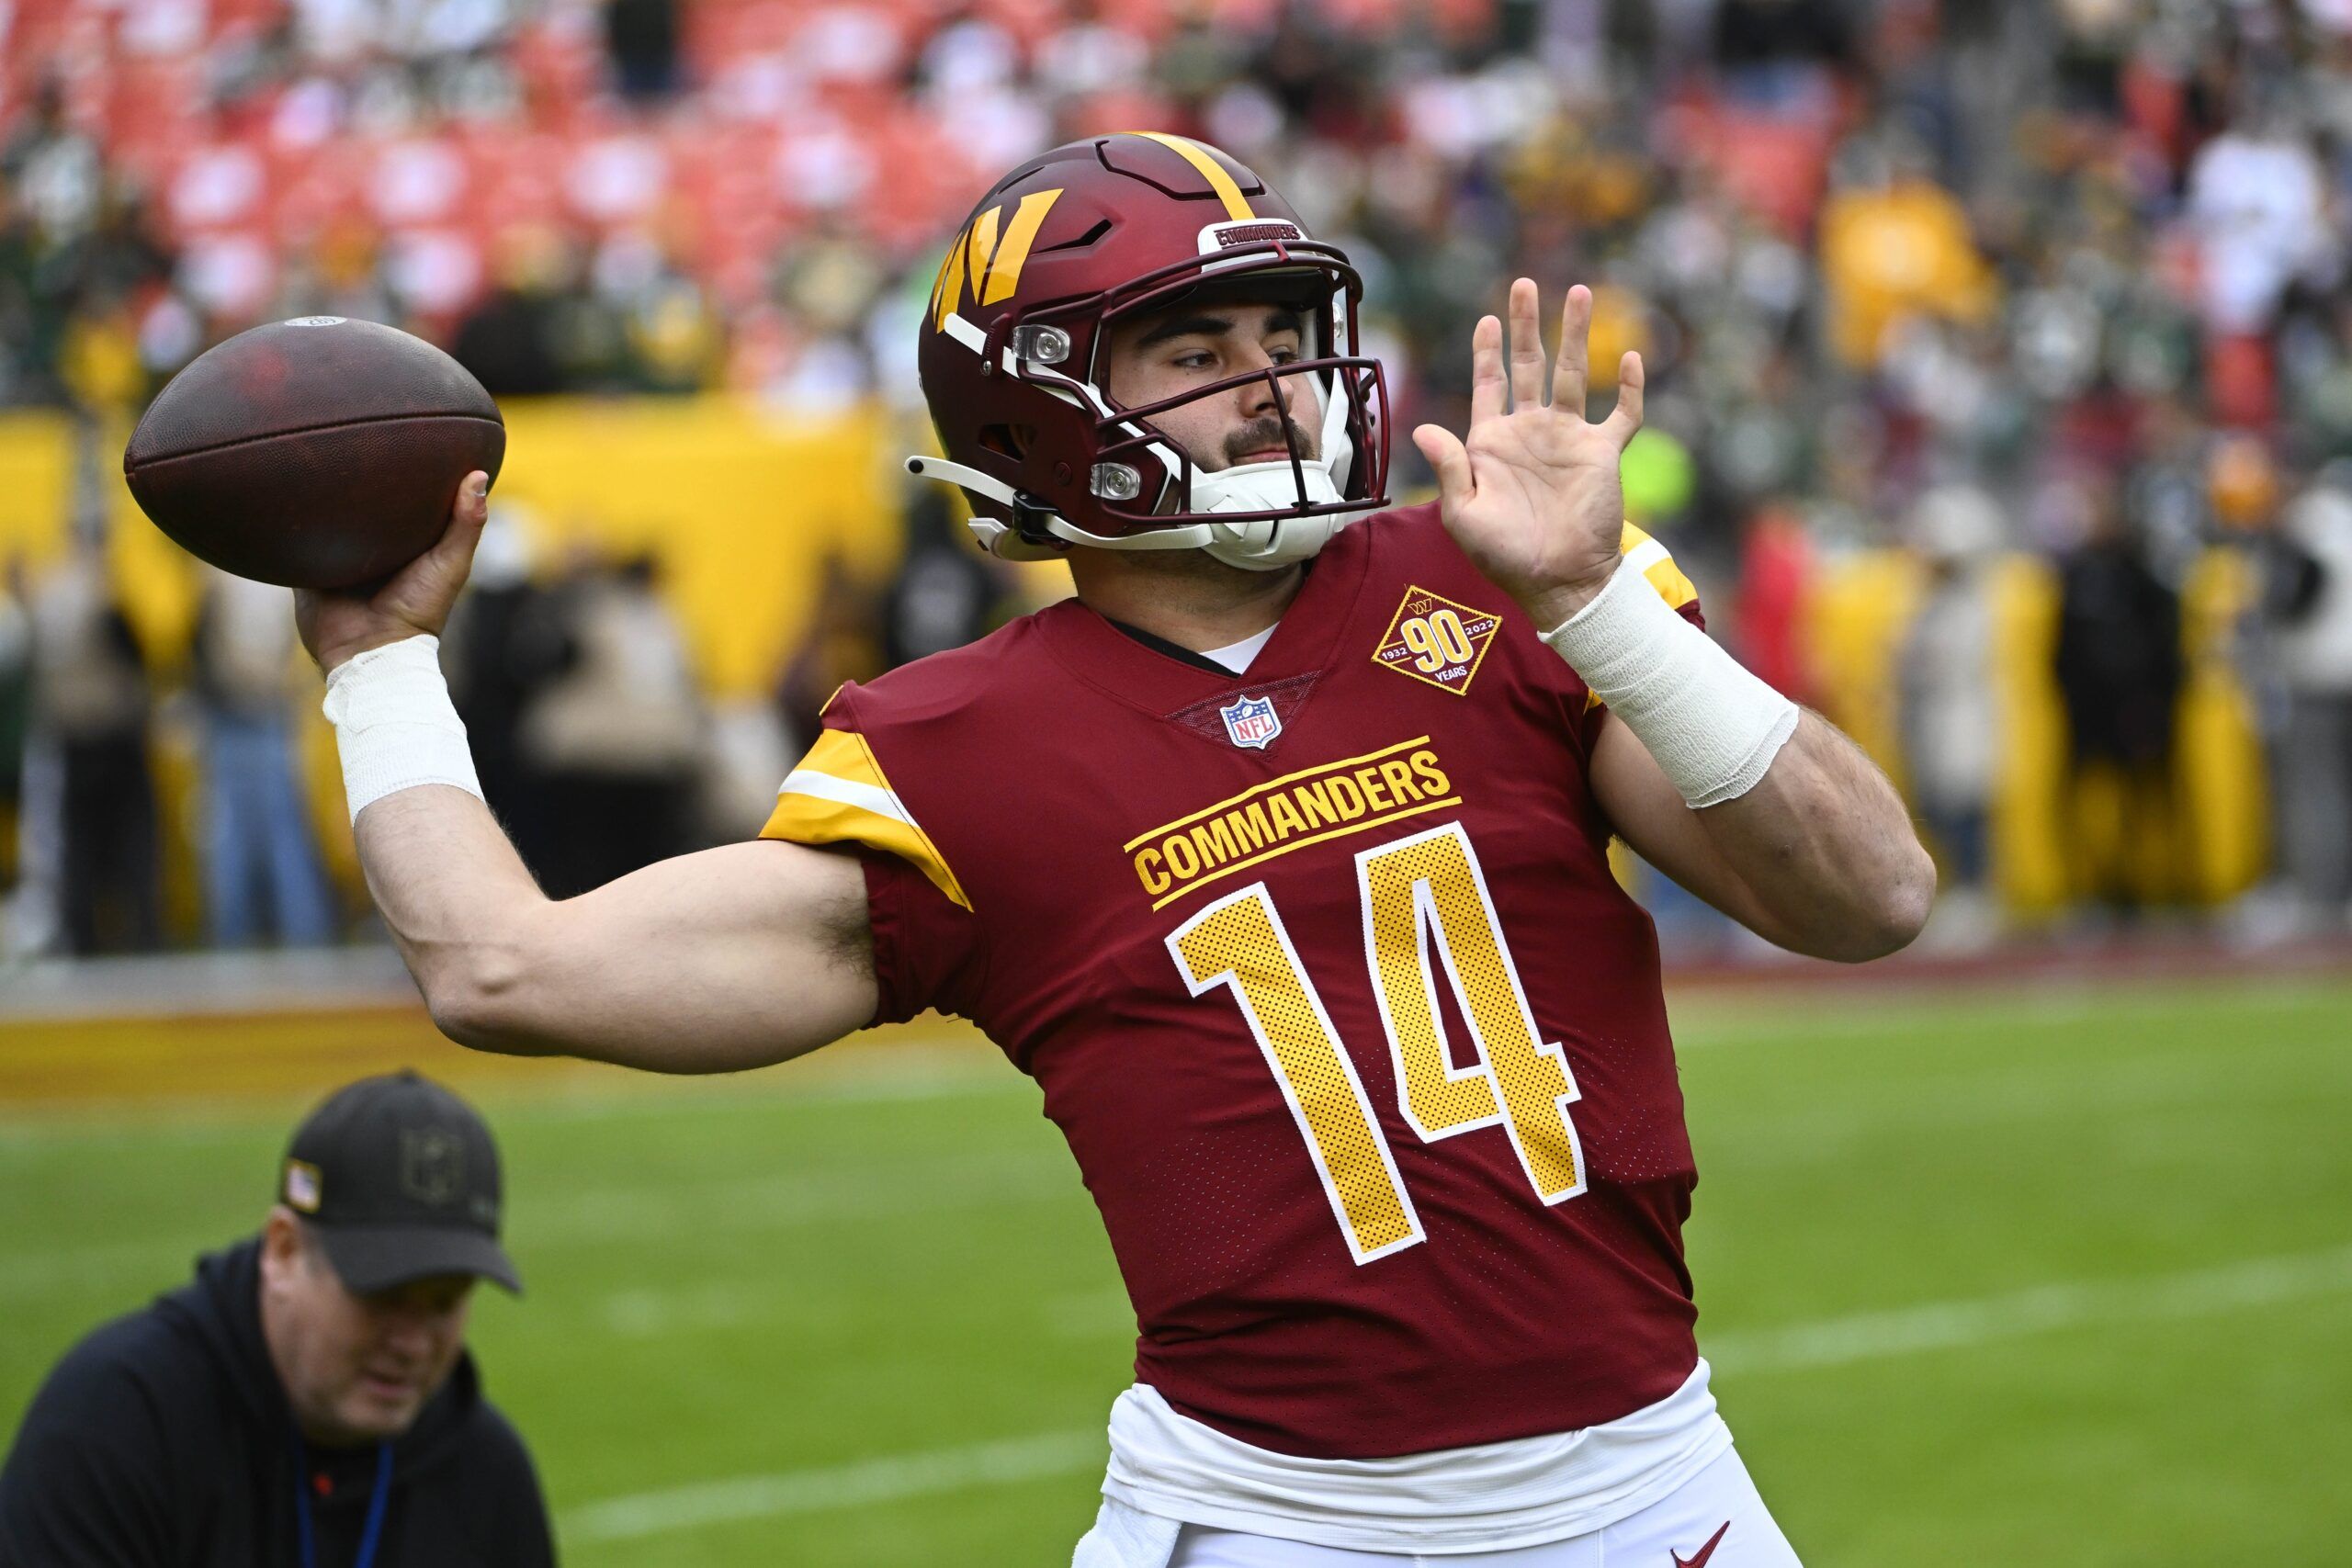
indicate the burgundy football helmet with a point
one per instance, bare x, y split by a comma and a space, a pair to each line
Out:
1015, 347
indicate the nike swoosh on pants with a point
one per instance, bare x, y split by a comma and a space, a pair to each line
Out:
1704, 1553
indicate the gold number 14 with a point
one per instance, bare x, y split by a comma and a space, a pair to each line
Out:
1424, 898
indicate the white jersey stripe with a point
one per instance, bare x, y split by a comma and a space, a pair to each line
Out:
847, 792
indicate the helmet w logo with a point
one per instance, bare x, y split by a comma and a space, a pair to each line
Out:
991, 262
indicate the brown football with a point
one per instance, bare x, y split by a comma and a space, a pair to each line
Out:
317, 453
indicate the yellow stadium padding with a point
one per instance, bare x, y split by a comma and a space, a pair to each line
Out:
2219, 777
743, 507
740, 506
2029, 827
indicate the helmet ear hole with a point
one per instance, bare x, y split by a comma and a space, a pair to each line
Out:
1011, 441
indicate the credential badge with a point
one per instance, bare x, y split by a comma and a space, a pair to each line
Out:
1252, 722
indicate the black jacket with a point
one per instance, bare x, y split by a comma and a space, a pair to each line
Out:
162, 1440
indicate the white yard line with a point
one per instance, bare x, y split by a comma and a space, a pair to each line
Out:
888, 1480
865, 1189
1706, 1018
1938, 1326
1838, 1341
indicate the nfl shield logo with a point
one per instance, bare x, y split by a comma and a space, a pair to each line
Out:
1252, 722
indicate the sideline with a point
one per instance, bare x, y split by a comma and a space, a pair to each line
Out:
1830, 1342
929, 1060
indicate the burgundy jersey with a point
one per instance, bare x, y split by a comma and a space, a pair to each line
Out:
1359, 1044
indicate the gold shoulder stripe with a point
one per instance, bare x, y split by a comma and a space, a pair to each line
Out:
1236, 206
839, 795
1659, 567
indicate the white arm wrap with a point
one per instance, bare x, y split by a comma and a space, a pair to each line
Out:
395, 725
1714, 727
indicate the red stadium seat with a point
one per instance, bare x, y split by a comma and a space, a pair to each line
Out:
436, 271
423, 180
231, 274
213, 187
614, 179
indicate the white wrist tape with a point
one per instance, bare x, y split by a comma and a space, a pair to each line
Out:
394, 724
1714, 727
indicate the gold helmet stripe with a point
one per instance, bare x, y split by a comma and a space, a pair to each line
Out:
1236, 207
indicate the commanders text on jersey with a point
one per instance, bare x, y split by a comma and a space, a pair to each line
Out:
1289, 813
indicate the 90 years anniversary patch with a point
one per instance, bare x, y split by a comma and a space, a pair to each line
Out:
1437, 640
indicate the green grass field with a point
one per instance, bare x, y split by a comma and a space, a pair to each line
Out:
2063, 1277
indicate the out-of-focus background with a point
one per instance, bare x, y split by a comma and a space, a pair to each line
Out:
2001, 404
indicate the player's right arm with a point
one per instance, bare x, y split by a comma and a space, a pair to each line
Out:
734, 957
731, 958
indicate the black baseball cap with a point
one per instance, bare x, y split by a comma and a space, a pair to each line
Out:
399, 1180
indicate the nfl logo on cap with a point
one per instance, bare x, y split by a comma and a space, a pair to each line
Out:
1252, 722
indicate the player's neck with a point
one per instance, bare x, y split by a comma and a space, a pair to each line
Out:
1182, 596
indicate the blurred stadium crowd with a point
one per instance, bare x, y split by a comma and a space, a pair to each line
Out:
1957, 282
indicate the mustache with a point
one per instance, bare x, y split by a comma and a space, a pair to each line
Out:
1266, 433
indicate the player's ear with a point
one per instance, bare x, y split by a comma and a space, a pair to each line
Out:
284, 1247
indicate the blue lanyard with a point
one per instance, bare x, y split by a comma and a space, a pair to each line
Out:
378, 1500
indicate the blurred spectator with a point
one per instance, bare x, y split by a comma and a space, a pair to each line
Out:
15, 717
2315, 648
513, 340
641, 37
1776, 568
844, 643
90, 715
2119, 672
672, 339
947, 592
1894, 245
1754, 38
2259, 198
616, 738
1951, 714
504, 643
258, 852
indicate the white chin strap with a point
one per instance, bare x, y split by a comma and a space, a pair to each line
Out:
1265, 546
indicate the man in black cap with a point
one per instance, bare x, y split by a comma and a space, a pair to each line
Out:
307, 1401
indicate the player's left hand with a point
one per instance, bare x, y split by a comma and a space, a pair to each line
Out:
1533, 496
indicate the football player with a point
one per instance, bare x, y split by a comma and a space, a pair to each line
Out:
1278, 856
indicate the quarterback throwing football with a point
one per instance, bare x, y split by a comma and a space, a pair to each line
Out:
1277, 856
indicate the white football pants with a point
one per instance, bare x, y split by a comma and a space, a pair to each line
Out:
1714, 1520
